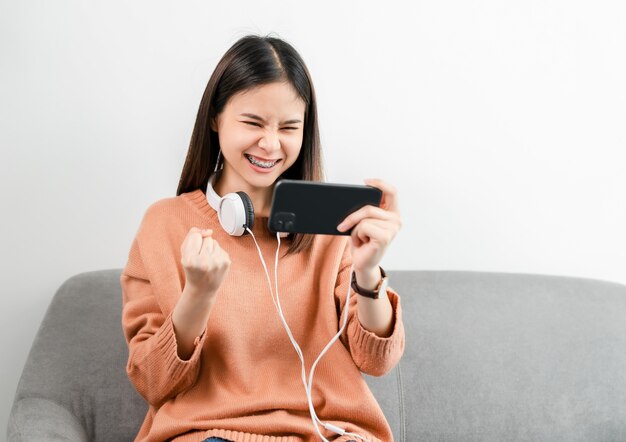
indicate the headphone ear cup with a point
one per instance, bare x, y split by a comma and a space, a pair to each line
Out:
248, 208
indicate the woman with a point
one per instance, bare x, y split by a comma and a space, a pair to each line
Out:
207, 348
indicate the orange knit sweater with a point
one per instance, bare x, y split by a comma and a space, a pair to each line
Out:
243, 380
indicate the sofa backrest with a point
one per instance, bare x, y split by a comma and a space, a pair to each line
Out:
79, 356
489, 357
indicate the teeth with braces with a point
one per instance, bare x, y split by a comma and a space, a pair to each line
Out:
264, 164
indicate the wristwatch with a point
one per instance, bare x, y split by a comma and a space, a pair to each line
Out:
373, 294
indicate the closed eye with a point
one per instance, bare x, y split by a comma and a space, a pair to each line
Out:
252, 123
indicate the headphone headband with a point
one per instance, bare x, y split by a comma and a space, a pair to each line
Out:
211, 195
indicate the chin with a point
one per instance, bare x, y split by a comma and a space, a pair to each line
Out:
264, 180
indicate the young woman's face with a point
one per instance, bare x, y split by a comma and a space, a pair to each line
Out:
260, 132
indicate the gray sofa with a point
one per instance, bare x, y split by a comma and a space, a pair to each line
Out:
489, 357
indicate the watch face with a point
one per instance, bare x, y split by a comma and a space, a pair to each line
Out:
383, 286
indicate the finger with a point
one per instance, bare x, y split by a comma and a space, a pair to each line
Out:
385, 225
192, 243
219, 255
364, 212
374, 230
391, 226
225, 257
208, 245
389, 200
367, 232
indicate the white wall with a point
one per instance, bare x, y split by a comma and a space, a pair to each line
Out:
501, 124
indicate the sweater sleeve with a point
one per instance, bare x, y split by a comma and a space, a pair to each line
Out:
154, 366
372, 354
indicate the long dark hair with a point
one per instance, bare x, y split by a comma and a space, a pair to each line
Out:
253, 61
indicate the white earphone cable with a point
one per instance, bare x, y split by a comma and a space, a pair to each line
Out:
307, 386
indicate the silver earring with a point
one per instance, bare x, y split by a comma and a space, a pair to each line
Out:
217, 162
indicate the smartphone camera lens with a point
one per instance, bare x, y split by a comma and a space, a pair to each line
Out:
283, 222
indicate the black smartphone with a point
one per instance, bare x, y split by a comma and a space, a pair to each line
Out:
315, 207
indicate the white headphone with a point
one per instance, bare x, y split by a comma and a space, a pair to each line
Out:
234, 210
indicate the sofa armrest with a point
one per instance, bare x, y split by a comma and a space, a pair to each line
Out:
36, 419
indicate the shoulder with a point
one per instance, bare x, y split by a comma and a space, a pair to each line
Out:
165, 214
161, 209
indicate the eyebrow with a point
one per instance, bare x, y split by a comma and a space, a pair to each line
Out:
256, 117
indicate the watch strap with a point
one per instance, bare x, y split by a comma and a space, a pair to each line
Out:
373, 294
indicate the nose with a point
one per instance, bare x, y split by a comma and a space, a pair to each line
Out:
270, 141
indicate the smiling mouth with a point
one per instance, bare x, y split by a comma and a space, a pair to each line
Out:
265, 164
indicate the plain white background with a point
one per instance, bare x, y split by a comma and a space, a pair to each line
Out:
502, 124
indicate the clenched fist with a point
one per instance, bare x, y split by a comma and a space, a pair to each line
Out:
204, 261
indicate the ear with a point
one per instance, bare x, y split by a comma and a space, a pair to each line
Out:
213, 124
